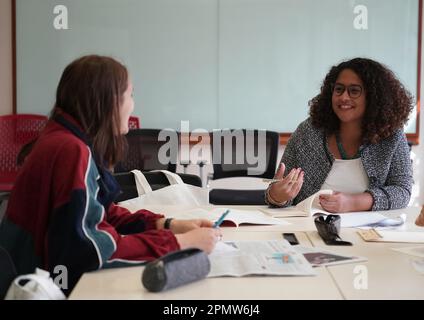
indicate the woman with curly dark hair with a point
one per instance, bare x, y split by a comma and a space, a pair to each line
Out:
352, 143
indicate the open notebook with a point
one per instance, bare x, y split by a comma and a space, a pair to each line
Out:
235, 217
310, 207
306, 208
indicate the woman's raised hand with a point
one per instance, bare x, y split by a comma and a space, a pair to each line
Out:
286, 188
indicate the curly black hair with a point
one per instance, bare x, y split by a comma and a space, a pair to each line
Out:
388, 103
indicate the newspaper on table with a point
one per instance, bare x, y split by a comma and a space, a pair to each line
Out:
261, 257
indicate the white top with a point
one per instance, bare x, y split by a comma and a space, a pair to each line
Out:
347, 176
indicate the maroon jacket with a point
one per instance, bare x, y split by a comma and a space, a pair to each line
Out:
61, 212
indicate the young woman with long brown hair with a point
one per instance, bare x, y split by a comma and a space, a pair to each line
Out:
61, 211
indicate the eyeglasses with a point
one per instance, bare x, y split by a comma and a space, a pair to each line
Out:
354, 90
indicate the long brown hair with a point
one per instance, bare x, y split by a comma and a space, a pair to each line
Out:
91, 90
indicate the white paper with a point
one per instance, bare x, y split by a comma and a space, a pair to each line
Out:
283, 212
221, 248
273, 257
235, 216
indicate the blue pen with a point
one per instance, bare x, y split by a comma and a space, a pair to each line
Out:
221, 219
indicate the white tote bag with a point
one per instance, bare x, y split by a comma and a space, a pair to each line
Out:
177, 193
36, 286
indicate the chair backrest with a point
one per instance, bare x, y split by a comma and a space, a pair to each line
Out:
16, 131
237, 197
144, 152
7, 272
133, 123
157, 180
233, 152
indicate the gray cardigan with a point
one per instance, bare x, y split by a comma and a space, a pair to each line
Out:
387, 164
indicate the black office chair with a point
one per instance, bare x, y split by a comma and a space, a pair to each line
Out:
241, 141
144, 151
237, 197
254, 141
157, 180
7, 272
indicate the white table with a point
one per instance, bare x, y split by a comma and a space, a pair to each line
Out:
390, 274
125, 283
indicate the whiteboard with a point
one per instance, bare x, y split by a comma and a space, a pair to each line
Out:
215, 63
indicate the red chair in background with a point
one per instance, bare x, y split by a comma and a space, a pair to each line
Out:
134, 123
16, 131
